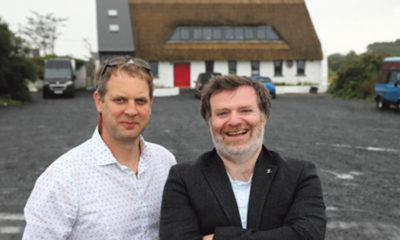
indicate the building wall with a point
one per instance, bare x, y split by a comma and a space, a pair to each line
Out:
221, 67
196, 67
313, 72
243, 68
80, 81
165, 75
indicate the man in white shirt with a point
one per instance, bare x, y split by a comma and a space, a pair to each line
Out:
110, 186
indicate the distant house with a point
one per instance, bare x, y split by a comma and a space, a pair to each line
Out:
182, 38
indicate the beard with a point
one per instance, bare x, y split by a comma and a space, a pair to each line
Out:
243, 153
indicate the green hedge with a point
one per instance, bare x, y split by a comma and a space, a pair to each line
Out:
356, 78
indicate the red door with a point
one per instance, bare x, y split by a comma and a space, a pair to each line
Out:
182, 75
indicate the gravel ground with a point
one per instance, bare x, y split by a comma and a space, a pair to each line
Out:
355, 146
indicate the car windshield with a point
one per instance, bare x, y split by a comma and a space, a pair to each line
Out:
57, 73
263, 79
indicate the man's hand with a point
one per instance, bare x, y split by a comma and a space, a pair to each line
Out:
208, 237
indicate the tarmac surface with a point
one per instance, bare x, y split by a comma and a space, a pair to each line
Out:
355, 146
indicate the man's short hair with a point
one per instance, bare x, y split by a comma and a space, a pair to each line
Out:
136, 67
232, 82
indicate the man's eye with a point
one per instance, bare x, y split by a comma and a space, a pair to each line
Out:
141, 101
220, 114
119, 100
246, 110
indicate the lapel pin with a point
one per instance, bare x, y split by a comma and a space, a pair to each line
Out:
268, 170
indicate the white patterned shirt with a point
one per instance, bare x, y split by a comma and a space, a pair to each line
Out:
87, 194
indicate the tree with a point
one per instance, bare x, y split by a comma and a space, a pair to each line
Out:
14, 66
387, 49
336, 60
43, 31
357, 77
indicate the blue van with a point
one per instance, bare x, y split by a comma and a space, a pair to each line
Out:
387, 87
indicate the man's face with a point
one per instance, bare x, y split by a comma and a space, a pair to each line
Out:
125, 108
236, 123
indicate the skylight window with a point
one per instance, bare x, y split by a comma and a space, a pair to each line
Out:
224, 34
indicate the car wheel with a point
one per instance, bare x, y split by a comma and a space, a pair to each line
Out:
380, 104
273, 95
398, 106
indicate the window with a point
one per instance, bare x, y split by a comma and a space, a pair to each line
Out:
271, 34
229, 35
207, 34
255, 68
301, 67
232, 67
216, 33
209, 66
185, 34
112, 12
239, 34
154, 68
224, 33
197, 34
113, 28
249, 33
278, 67
261, 34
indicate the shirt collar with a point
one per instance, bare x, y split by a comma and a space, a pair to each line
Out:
240, 183
104, 156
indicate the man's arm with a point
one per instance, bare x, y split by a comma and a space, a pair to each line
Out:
178, 218
305, 219
50, 211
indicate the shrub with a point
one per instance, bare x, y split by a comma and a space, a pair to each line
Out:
356, 78
14, 66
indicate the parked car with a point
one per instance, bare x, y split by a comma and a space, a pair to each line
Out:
387, 87
59, 77
267, 81
202, 80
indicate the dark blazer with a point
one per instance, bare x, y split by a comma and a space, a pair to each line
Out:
285, 202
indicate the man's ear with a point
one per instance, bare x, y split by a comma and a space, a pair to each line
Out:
98, 101
151, 103
265, 119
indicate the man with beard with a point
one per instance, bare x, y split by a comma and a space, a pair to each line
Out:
241, 190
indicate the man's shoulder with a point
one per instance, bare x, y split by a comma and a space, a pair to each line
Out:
202, 161
159, 152
287, 164
72, 157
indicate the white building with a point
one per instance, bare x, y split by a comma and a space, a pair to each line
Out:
182, 38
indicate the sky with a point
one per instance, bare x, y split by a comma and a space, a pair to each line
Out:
341, 25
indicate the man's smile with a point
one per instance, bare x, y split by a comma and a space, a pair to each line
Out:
237, 132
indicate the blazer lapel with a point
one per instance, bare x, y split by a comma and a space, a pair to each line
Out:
263, 174
220, 185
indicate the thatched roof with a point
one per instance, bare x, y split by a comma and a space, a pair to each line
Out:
153, 22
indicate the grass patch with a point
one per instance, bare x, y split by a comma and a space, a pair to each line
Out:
4, 102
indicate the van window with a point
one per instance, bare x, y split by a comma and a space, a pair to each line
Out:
398, 78
395, 76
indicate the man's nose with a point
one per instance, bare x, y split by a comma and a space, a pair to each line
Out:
234, 119
131, 108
